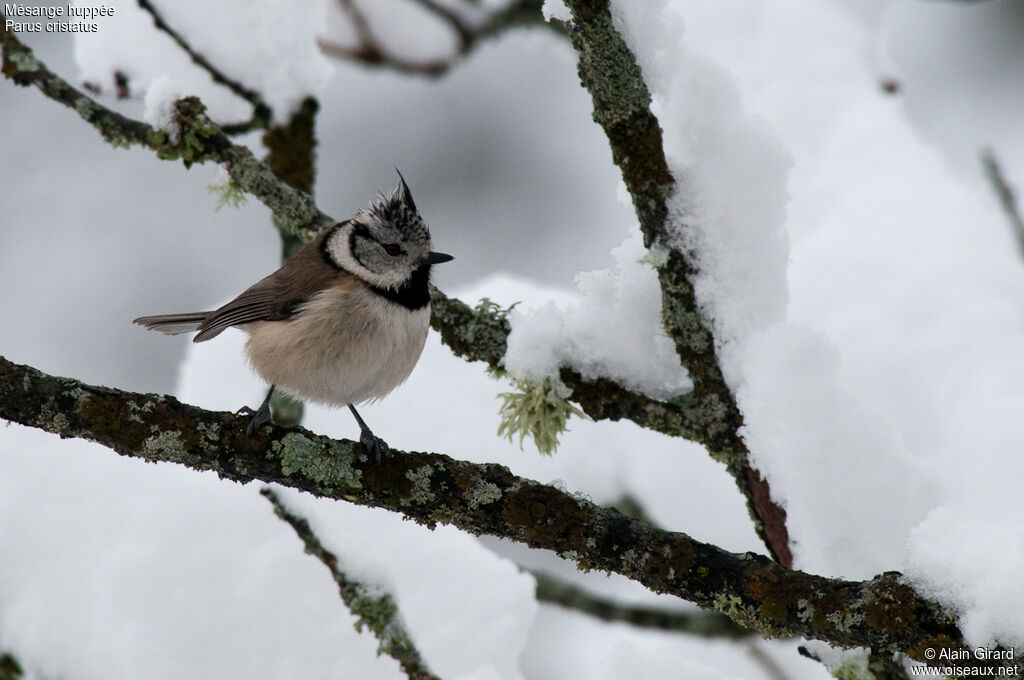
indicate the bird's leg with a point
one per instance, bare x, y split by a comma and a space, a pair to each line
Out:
260, 416
374, 444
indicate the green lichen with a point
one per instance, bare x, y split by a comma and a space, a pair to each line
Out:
748, 616
85, 107
853, 670
608, 69
24, 61
373, 611
228, 192
535, 411
329, 464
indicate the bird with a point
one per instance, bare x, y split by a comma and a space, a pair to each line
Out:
342, 322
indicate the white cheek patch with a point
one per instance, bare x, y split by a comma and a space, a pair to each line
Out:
340, 251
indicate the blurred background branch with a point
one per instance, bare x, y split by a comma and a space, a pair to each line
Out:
370, 604
370, 50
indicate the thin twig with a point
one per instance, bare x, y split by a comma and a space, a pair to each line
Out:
771, 667
261, 112
370, 51
705, 624
1007, 196
373, 608
462, 29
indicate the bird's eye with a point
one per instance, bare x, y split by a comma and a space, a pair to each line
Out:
392, 249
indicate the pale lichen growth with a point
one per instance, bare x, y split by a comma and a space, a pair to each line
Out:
535, 410
633, 561
166, 445
211, 431
482, 493
420, 492
228, 192
134, 410
24, 61
85, 107
330, 464
853, 671
843, 622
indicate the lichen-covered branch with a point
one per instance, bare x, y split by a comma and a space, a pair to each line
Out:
609, 71
374, 609
883, 613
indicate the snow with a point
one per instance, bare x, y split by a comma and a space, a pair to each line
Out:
161, 95
613, 329
972, 561
894, 373
269, 46
555, 9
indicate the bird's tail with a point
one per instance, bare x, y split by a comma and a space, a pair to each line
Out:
173, 324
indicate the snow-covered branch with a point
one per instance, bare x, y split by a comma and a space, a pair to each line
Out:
261, 113
883, 613
609, 70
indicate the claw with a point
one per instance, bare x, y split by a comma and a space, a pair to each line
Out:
260, 416
374, 445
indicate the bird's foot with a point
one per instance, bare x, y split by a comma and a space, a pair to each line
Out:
260, 417
375, 446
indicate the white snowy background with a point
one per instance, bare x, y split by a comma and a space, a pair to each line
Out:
861, 271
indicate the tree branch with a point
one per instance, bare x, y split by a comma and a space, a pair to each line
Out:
374, 609
608, 69
883, 613
1006, 194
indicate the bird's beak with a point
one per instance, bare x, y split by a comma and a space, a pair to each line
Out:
438, 258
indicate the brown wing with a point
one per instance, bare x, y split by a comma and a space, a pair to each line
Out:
278, 296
